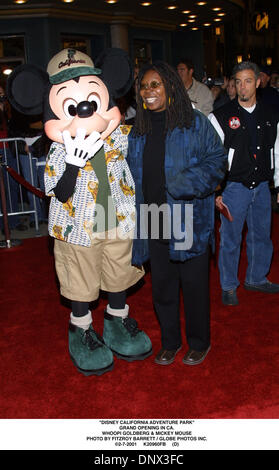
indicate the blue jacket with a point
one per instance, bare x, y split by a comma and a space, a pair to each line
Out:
195, 163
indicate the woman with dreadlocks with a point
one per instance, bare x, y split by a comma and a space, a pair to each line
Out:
177, 161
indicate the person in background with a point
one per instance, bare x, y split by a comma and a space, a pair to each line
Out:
267, 93
223, 93
177, 160
264, 77
219, 95
199, 94
249, 129
231, 90
274, 79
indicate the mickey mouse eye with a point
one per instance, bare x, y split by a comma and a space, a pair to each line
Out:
70, 108
95, 100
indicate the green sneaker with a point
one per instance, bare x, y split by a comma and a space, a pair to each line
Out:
124, 338
88, 352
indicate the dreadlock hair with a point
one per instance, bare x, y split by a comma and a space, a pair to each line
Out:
179, 110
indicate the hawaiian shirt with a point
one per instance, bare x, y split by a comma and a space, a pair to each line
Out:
73, 221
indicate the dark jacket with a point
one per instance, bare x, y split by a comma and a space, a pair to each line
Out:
249, 140
195, 163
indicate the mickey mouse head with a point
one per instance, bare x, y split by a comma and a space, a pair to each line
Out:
74, 93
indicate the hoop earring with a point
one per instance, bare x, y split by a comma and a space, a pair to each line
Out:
144, 105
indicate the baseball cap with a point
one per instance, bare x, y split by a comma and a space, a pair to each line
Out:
68, 64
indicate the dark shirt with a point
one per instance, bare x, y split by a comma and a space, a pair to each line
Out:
153, 180
251, 137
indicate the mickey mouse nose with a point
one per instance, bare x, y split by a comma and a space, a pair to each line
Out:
85, 109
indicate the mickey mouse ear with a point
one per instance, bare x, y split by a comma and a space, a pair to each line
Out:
117, 70
25, 89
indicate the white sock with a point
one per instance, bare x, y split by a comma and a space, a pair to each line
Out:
82, 322
116, 312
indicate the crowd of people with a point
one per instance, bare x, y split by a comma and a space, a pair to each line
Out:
195, 147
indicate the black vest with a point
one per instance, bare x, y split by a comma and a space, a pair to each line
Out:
249, 140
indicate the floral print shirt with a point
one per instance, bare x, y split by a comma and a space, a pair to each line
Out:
73, 221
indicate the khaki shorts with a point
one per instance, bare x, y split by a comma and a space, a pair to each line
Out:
105, 265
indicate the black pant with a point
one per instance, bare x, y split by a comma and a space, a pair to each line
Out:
167, 278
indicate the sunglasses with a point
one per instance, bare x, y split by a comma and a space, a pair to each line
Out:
152, 85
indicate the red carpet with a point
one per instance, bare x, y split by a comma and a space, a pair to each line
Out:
238, 379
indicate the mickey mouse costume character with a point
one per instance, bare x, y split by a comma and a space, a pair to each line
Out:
92, 209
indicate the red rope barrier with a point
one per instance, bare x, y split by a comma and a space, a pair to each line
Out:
25, 183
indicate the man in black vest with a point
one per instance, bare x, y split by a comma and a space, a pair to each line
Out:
249, 131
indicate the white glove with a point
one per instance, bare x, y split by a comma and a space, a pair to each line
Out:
81, 149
